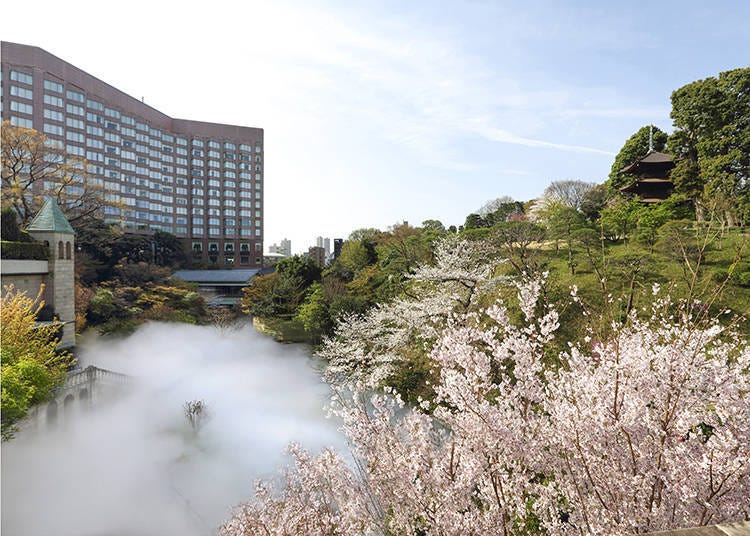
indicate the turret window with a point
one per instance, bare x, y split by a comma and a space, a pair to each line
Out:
60, 250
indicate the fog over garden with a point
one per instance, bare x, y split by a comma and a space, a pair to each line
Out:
135, 466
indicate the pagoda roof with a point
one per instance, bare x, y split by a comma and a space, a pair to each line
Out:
652, 159
50, 219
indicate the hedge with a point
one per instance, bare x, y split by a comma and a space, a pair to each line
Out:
24, 250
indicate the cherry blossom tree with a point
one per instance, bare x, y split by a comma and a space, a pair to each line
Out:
371, 347
646, 431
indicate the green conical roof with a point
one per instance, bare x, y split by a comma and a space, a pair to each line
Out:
51, 219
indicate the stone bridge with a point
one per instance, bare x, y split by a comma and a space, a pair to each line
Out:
82, 390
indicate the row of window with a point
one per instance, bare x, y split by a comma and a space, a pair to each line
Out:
79, 97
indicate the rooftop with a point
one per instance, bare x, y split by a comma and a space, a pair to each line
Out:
51, 219
217, 277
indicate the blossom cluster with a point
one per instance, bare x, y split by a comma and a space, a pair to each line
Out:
646, 431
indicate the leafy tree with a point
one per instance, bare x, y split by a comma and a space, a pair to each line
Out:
299, 267
31, 163
257, 299
712, 138
635, 147
355, 255
620, 218
313, 313
594, 200
402, 248
31, 367
474, 221
562, 222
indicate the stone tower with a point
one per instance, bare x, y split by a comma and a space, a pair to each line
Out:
51, 227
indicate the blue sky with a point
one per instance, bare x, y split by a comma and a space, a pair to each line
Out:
379, 112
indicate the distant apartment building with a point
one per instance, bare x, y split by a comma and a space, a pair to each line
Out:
284, 249
318, 256
201, 181
324, 243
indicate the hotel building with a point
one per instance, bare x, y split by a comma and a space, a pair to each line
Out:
202, 182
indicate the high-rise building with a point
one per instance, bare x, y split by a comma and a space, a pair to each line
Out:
284, 249
337, 244
324, 243
201, 181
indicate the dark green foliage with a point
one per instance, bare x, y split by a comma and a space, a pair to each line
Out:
11, 231
24, 250
712, 138
594, 201
302, 268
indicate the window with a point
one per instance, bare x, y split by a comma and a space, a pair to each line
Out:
95, 105
67, 250
60, 250
71, 122
55, 130
94, 131
52, 100
23, 108
24, 78
53, 86
75, 96
109, 112
74, 136
17, 91
74, 149
73, 109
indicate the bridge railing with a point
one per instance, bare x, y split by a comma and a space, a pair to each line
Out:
91, 374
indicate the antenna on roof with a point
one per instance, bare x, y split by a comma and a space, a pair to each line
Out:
651, 138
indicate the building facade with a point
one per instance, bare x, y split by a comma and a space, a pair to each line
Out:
202, 182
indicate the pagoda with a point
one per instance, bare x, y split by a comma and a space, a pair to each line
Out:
651, 182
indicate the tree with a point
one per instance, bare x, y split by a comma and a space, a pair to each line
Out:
635, 147
371, 346
594, 200
196, 412
712, 139
313, 313
31, 367
569, 193
643, 432
495, 204
514, 239
34, 167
